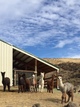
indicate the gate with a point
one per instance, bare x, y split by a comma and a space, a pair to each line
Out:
15, 75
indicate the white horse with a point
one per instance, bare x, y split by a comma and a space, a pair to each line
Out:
41, 82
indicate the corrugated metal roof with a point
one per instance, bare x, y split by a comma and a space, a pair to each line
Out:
22, 58
37, 58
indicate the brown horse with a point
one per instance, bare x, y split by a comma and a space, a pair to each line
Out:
5, 81
50, 85
33, 87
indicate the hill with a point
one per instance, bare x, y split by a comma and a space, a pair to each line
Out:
62, 60
69, 68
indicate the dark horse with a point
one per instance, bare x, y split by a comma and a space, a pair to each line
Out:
50, 85
21, 83
5, 81
27, 83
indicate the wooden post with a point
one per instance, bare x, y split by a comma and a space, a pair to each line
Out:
14, 77
35, 74
35, 66
35, 69
57, 79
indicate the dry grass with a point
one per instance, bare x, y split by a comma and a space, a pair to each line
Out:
69, 68
27, 99
62, 60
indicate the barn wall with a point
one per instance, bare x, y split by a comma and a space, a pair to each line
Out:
6, 58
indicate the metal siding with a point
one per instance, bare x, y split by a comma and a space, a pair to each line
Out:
6, 60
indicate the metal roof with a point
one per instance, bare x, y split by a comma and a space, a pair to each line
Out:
23, 59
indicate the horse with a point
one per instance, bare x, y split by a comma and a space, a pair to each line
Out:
50, 85
33, 86
21, 83
27, 83
5, 81
66, 89
41, 82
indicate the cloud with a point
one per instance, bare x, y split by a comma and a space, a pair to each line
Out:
64, 42
76, 55
17, 8
40, 22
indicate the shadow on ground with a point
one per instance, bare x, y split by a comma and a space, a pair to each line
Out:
54, 100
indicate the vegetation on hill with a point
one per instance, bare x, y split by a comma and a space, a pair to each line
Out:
69, 69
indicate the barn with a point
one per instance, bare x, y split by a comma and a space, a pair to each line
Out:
14, 60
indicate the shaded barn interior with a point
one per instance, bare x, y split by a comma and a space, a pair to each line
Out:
14, 60
26, 63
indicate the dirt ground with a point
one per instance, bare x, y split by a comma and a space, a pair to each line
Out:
27, 99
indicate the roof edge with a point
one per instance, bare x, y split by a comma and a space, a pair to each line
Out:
31, 55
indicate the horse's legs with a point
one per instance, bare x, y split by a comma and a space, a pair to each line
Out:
4, 87
63, 97
52, 90
42, 87
24, 87
21, 88
18, 88
8, 87
68, 98
49, 90
35, 88
39, 88
72, 96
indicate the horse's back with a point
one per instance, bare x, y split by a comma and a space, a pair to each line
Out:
22, 81
6, 80
69, 86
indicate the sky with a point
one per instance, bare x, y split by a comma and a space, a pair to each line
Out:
44, 28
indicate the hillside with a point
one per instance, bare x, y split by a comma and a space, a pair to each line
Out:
69, 68
62, 60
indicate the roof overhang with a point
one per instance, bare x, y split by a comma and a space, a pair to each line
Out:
23, 60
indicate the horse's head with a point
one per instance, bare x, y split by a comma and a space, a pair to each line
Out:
60, 77
33, 76
42, 74
3, 74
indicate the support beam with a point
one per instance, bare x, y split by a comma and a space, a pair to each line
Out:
35, 70
14, 78
35, 66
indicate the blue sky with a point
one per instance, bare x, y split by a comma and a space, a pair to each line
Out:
45, 28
